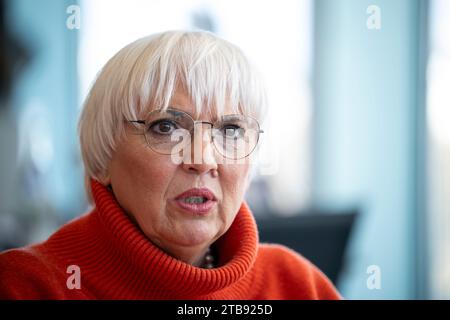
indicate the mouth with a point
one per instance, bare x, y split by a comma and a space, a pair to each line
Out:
194, 200
197, 200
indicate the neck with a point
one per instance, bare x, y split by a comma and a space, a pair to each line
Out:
194, 256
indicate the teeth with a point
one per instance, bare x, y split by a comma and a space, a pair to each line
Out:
194, 200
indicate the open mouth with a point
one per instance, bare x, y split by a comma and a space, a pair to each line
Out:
195, 200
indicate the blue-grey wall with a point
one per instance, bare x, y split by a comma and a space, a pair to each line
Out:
49, 85
366, 144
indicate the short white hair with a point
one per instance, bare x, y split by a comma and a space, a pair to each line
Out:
145, 74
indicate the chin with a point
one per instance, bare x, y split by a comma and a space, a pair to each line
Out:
196, 236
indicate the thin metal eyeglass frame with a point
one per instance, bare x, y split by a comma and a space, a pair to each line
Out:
259, 131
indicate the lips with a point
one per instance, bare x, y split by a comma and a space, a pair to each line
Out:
196, 200
197, 192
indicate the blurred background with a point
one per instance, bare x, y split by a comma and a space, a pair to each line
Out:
354, 171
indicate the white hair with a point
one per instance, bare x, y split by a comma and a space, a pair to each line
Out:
144, 76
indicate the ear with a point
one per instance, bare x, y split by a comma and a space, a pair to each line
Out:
104, 178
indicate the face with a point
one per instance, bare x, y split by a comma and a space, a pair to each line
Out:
146, 183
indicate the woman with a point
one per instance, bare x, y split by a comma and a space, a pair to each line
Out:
167, 137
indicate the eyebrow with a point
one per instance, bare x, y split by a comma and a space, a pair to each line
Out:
174, 108
177, 109
214, 119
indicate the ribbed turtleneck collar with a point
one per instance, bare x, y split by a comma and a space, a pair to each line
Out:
118, 261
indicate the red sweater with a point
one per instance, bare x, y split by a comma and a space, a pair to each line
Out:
116, 261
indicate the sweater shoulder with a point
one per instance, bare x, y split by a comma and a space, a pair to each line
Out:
24, 274
38, 271
294, 273
21, 260
285, 260
278, 253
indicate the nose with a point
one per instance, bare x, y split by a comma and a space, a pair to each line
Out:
201, 158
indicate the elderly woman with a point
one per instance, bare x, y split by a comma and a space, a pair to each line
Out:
167, 137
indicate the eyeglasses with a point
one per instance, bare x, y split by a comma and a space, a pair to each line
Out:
170, 131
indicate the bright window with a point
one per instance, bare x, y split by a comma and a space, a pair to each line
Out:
438, 118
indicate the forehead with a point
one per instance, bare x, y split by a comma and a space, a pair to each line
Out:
182, 101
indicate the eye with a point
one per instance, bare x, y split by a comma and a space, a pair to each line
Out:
232, 131
163, 127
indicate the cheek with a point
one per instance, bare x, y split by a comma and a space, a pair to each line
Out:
234, 182
155, 173
141, 179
